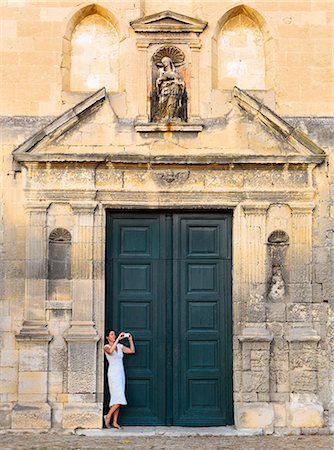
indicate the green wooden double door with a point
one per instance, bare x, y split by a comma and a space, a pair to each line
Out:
169, 284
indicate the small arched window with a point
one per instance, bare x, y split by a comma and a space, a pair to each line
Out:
90, 58
59, 264
242, 51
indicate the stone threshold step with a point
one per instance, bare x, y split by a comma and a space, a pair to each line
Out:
135, 431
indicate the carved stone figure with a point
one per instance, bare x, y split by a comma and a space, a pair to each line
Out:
169, 99
277, 288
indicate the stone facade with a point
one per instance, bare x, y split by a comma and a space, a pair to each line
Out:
72, 149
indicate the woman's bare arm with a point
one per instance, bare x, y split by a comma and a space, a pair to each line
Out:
131, 350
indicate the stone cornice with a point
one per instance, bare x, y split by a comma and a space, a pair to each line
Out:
302, 334
256, 334
217, 159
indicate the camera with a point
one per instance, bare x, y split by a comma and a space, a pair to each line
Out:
126, 335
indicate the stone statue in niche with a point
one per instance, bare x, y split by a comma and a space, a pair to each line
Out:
277, 286
278, 242
169, 95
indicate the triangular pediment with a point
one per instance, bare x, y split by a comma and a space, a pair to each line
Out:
91, 131
60, 126
168, 22
289, 135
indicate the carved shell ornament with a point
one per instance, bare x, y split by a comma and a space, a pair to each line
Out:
60, 235
175, 54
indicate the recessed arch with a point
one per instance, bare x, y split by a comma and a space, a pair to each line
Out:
238, 28
104, 27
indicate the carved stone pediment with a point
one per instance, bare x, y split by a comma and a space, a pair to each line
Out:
168, 22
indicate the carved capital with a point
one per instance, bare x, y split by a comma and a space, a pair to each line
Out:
83, 208
302, 208
255, 208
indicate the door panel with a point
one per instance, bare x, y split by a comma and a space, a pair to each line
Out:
201, 325
169, 283
136, 262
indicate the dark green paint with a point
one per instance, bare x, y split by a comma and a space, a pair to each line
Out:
169, 284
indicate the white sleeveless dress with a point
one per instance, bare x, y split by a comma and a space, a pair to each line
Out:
116, 376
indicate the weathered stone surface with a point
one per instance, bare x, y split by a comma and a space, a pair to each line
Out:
75, 416
31, 416
254, 415
83, 154
305, 415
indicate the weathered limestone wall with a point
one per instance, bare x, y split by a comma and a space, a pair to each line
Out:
35, 41
283, 342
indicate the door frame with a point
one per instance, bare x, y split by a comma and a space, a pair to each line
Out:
178, 210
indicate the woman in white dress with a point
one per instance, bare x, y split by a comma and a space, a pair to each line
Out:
116, 376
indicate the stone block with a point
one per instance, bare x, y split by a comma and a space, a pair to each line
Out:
31, 416
33, 357
254, 415
255, 381
280, 414
300, 292
305, 415
32, 383
276, 312
77, 415
303, 380
81, 383
299, 312
303, 357
9, 358
259, 360
5, 416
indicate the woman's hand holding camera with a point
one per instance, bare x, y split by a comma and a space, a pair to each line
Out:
123, 335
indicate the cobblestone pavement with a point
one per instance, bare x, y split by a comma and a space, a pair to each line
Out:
26, 441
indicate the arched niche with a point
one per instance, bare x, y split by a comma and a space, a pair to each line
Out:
242, 51
91, 51
59, 264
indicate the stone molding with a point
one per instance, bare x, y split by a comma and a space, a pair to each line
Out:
172, 127
83, 208
256, 334
34, 331
302, 334
81, 331
256, 208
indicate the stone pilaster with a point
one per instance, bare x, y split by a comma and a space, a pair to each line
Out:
301, 253
32, 409
254, 262
195, 101
142, 82
82, 409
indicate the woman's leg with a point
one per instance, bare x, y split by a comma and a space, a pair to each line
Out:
115, 418
111, 411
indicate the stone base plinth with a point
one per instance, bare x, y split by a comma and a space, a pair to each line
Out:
254, 415
305, 415
82, 415
31, 416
